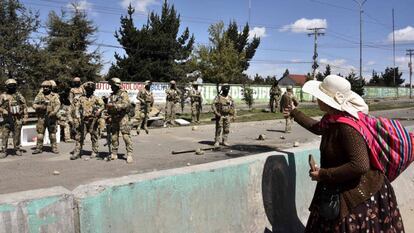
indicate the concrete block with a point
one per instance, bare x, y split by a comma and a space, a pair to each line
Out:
38, 211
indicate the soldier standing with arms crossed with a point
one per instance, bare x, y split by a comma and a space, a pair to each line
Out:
275, 93
196, 103
86, 112
47, 105
146, 100
118, 107
14, 111
224, 110
286, 103
173, 97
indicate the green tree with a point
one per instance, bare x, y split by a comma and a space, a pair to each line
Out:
248, 96
257, 79
388, 77
17, 53
327, 71
241, 42
376, 79
67, 44
155, 52
320, 76
219, 62
357, 84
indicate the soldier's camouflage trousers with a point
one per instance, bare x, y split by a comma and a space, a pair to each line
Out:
65, 126
170, 112
143, 120
90, 126
288, 125
195, 111
42, 125
222, 124
274, 103
121, 125
14, 126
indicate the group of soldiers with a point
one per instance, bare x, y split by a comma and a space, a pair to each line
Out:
90, 114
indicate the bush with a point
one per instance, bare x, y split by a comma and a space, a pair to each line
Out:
248, 96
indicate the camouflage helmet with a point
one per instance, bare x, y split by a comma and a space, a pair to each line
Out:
148, 82
289, 88
10, 82
76, 79
172, 82
52, 83
115, 81
195, 83
46, 83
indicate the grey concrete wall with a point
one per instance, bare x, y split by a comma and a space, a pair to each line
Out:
38, 211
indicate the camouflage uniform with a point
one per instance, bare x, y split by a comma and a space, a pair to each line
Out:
196, 104
146, 100
47, 106
64, 122
224, 110
86, 112
118, 107
76, 92
14, 112
173, 97
275, 93
288, 99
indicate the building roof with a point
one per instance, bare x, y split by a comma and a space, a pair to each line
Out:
298, 79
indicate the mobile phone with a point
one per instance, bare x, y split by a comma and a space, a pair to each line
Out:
312, 163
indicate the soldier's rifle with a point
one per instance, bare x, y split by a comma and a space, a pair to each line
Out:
108, 119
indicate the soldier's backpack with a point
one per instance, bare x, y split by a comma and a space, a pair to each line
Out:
390, 144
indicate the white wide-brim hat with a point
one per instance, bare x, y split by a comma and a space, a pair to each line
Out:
336, 92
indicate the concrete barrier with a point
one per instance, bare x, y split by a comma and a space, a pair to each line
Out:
247, 194
38, 211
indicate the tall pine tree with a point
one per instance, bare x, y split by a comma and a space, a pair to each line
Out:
155, 52
67, 46
357, 84
17, 53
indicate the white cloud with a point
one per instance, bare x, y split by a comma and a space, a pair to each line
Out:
82, 5
370, 63
302, 25
139, 5
265, 70
258, 32
403, 35
337, 66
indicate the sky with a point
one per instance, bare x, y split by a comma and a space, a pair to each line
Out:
281, 25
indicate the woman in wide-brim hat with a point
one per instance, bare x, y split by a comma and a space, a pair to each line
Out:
350, 195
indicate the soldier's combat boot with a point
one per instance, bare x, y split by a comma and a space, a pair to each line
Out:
225, 143
55, 150
69, 140
138, 131
129, 159
216, 143
19, 152
37, 151
114, 156
146, 130
75, 156
93, 155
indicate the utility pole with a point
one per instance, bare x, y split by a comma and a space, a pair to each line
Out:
315, 32
360, 3
410, 52
250, 9
393, 44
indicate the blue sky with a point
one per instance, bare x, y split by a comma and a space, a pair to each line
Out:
280, 24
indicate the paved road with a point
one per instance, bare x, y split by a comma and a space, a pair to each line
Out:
151, 152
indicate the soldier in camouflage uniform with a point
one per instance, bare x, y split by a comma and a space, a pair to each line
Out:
86, 112
288, 99
63, 116
275, 93
118, 107
146, 101
77, 90
47, 105
224, 111
196, 103
173, 97
14, 111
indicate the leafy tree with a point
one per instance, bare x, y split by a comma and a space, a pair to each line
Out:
66, 51
327, 70
388, 77
258, 79
357, 84
248, 96
155, 52
241, 42
17, 53
270, 80
376, 79
320, 76
219, 62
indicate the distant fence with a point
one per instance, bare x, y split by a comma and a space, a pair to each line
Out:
260, 92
